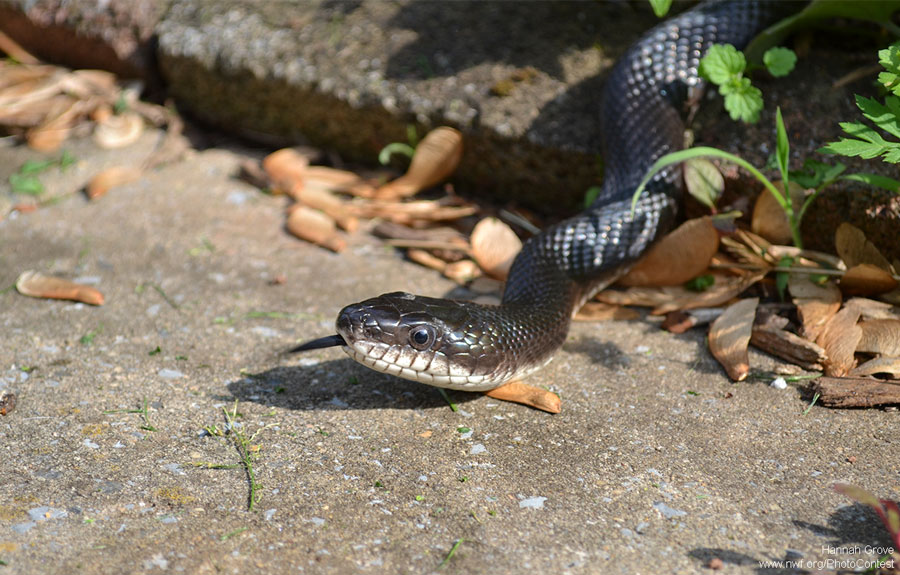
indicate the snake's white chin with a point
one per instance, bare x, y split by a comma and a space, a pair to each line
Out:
463, 382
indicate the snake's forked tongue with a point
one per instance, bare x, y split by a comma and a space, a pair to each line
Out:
328, 341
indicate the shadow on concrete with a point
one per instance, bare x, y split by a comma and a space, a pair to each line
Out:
338, 385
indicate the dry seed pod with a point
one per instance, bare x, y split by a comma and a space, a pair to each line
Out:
867, 279
680, 256
332, 205
494, 247
729, 337
35, 284
286, 169
314, 226
435, 159
853, 247
839, 339
109, 178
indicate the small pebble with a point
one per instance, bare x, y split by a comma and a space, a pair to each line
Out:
779, 383
715, 563
536, 502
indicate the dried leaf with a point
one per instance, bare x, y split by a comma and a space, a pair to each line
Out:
839, 339
729, 337
55, 128
35, 284
109, 178
854, 249
598, 311
769, 220
494, 247
703, 181
462, 271
410, 212
671, 298
314, 226
286, 169
435, 159
871, 309
867, 279
119, 131
336, 180
682, 321
881, 336
535, 397
879, 365
815, 303
680, 256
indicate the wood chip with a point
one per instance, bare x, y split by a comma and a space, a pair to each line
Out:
816, 303
435, 159
314, 226
867, 279
881, 336
839, 339
494, 247
729, 337
35, 284
109, 178
535, 397
598, 311
879, 365
771, 338
855, 392
854, 249
680, 256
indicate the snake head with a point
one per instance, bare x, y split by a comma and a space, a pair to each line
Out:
438, 342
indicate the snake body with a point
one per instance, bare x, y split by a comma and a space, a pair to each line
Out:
462, 345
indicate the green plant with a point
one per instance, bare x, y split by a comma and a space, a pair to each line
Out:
888, 511
384, 156
25, 180
726, 66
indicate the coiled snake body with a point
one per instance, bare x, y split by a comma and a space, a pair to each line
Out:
463, 345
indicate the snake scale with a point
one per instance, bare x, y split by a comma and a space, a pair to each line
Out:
462, 345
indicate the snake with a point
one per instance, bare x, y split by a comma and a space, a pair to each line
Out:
475, 347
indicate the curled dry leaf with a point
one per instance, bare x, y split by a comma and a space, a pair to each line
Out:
881, 336
329, 203
854, 249
286, 169
680, 256
435, 159
769, 219
839, 339
119, 131
815, 303
867, 279
598, 311
35, 284
494, 247
427, 259
872, 309
879, 365
110, 178
314, 226
729, 337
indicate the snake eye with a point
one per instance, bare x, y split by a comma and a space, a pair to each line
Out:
422, 337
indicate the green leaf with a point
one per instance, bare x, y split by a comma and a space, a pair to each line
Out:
660, 7
743, 101
782, 148
890, 81
858, 494
722, 63
700, 283
26, 184
876, 180
590, 195
869, 144
815, 174
35, 166
703, 181
384, 156
890, 59
779, 61
881, 114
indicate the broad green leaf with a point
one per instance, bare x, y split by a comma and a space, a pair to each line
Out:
779, 61
26, 184
703, 181
590, 195
880, 114
782, 147
35, 166
660, 7
721, 63
744, 102
815, 174
890, 81
851, 148
876, 180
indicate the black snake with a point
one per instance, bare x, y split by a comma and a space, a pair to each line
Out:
463, 345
